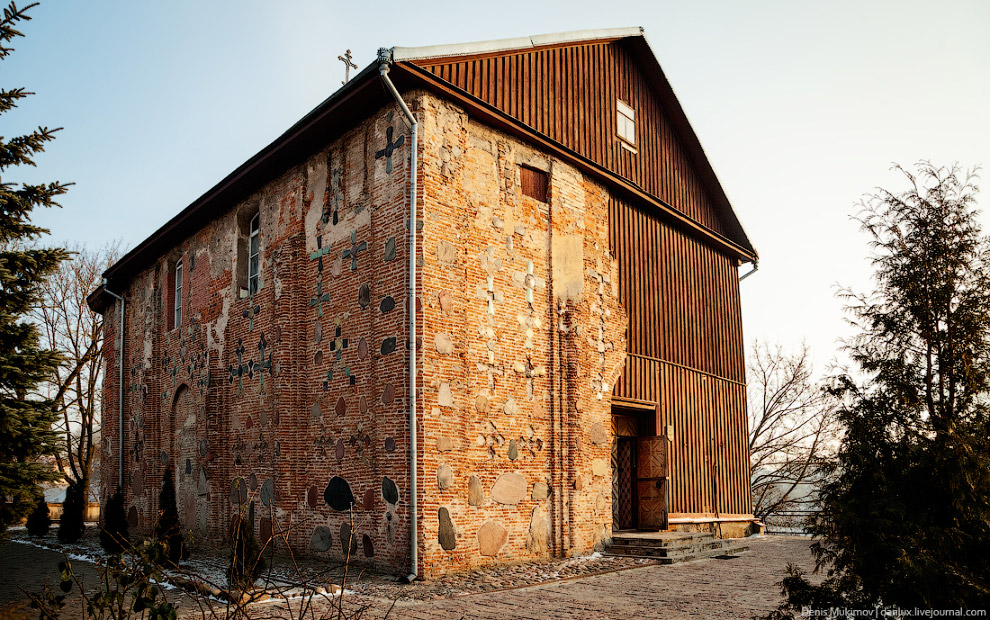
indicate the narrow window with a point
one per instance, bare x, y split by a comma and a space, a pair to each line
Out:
626, 122
254, 251
177, 317
534, 183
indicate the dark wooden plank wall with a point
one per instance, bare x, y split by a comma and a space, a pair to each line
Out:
569, 94
685, 356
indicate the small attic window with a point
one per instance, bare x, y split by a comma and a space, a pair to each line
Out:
626, 122
534, 183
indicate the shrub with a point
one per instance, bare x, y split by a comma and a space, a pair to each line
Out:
168, 530
71, 526
40, 519
246, 563
115, 535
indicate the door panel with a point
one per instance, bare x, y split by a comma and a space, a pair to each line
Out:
651, 482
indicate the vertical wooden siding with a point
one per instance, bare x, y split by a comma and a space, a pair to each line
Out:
569, 94
685, 356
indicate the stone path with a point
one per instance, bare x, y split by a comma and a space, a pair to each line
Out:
571, 589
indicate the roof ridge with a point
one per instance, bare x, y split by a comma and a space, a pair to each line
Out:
505, 45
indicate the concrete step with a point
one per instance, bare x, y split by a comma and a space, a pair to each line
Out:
666, 539
687, 551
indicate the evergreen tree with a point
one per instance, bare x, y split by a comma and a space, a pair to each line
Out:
905, 511
25, 418
168, 529
71, 526
115, 535
39, 522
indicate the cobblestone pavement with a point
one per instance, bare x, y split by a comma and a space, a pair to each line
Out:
571, 589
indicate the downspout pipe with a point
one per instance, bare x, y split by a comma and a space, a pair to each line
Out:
384, 59
756, 267
120, 385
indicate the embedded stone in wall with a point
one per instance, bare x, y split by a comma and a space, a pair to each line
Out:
388, 394
513, 452
314, 411
443, 343
509, 488
322, 539
390, 527
364, 296
163, 457
313, 497
369, 499
446, 301
598, 434
390, 492
390, 249
362, 404
445, 397
347, 536
388, 345
541, 490
338, 494
318, 333
267, 492
390, 444
445, 444
132, 517
253, 482
446, 252
338, 450
203, 487
368, 545
600, 502
510, 407
445, 477
476, 492
341, 407
536, 537
600, 468
491, 538
362, 349
387, 305
446, 535
238, 491
578, 483
481, 403
265, 530
137, 482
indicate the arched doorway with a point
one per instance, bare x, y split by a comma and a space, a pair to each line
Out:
190, 474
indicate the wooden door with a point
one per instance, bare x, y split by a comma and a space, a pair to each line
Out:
651, 483
625, 471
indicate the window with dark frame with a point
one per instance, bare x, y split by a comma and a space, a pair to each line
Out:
177, 299
534, 183
254, 255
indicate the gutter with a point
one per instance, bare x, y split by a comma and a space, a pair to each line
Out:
120, 385
756, 267
384, 60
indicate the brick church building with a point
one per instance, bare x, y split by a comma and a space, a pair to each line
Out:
577, 346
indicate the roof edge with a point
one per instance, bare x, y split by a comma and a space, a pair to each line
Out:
504, 45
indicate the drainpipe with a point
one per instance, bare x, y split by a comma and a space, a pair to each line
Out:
756, 267
384, 59
120, 386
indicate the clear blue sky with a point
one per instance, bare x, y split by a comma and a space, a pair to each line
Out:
801, 106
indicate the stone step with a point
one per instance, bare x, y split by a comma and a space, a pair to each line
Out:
720, 548
662, 540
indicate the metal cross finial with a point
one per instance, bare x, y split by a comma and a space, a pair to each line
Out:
348, 65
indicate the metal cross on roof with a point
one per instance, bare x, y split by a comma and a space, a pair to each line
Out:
348, 65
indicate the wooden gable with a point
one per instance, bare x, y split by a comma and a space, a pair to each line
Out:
570, 93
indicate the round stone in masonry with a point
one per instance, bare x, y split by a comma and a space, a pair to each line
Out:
388, 394
252, 482
132, 517
388, 346
318, 332
238, 491
339, 450
202, 447
362, 349
265, 530
315, 411
163, 457
318, 358
338, 494
322, 539
390, 444
446, 534
347, 535
313, 497
364, 296
387, 305
341, 407
390, 492
445, 477
368, 546
362, 404
267, 492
